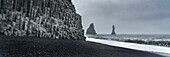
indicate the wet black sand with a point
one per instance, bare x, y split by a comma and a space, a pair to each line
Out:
11, 46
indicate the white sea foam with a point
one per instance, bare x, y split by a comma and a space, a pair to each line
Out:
143, 37
141, 47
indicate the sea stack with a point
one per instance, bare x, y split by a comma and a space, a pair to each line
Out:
91, 29
56, 19
113, 30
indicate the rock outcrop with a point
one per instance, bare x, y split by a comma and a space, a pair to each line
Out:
55, 19
91, 29
113, 30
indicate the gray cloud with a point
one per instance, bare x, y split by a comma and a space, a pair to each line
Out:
129, 16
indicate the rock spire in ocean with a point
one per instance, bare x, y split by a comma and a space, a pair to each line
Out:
113, 30
55, 19
91, 29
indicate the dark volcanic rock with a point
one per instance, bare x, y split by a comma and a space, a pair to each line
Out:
113, 30
91, 29
55, 19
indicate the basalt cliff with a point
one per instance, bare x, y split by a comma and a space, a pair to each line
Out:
56, 19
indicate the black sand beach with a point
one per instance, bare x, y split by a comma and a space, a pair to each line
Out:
12, 46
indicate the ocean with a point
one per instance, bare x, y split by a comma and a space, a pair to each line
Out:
150, 39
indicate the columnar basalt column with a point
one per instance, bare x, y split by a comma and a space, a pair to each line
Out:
56, 19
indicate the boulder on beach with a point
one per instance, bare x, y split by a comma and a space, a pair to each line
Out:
91, 29
113, 30
41, 18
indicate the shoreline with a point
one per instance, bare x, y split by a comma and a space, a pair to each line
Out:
13, 46
165, 51
157, 43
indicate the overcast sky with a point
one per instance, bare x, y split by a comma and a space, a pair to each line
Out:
128, 16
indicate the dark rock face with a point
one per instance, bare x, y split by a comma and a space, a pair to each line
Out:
55, 19
113, 30
91, 29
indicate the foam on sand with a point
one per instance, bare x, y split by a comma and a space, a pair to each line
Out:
141, 47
